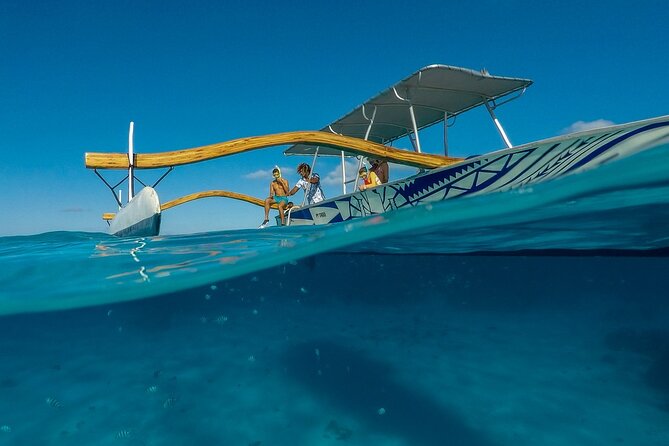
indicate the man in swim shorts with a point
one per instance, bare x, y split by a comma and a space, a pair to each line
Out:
278, 194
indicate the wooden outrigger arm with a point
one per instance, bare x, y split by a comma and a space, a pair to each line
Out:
213, 193
354, 146
204, 194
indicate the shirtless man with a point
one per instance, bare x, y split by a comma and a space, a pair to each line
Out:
278, 194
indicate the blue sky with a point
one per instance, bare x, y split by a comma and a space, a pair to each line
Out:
75, 73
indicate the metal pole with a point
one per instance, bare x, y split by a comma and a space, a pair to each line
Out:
131, 162
415, 140
498, 125
313, 163
415, 128
371, 121
357, 175
343, 173
445, 133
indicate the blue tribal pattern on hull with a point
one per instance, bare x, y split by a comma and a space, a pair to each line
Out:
502, 170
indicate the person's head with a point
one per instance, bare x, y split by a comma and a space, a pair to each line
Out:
304, 170
374, 161
363, 172
276, 173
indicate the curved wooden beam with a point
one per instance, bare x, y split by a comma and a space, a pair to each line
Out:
213, 193
204, 194
187, 156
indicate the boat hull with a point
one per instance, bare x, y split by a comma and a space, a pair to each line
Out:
502, 170
140, 217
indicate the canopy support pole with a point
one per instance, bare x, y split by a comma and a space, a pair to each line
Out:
131, 162
415, 141
370, 120
343, 174
313, 164
445, 133
415, 129
500, 129
343, 164
369, 130
313, 161
357, 173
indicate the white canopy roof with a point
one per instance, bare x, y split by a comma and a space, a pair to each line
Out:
432, 91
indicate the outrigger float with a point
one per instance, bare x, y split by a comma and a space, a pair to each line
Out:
432, 95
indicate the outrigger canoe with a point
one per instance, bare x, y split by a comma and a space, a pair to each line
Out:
432, 95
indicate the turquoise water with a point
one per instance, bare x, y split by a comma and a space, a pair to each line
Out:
533, 317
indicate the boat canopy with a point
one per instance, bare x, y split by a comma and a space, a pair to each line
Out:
427, 97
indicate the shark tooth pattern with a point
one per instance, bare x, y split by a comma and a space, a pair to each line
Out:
505, 169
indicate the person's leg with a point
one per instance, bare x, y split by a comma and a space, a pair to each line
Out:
268, 202
282, 213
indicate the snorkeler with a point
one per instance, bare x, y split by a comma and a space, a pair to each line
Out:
278, 194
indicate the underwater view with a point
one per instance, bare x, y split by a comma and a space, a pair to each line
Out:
280, 223
536, 316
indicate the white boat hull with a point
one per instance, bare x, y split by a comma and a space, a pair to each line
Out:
502, 170
140, 217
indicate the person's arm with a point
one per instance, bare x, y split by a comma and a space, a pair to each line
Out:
284, 183
315, 179
375, 179
296, 187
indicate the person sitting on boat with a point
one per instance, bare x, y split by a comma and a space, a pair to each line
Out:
278, 194
310, 183
369, 179
380, 168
